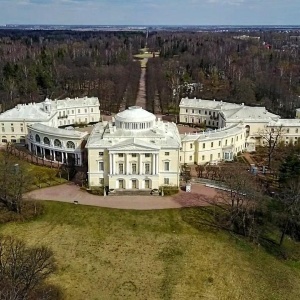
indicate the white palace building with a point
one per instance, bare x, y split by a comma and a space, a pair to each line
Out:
135, 150
38, 126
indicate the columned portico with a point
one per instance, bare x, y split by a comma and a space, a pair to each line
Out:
128, 152
62, 146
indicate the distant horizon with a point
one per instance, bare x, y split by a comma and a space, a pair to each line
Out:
151, 12
152, 25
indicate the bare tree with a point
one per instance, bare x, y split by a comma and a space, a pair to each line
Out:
23, 271
271, 137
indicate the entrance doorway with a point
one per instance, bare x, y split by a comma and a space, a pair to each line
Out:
121, 184
134, 183
147, 184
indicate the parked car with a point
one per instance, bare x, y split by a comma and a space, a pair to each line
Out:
155, 192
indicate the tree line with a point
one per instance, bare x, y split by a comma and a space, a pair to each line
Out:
257, 68
57, 64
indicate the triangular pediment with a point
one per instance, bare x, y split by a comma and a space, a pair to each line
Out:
134, 145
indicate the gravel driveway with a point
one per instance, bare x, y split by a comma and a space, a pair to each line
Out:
70, 192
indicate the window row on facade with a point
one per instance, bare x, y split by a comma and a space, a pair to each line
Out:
56, 143
146, 168
132, 125
13, 139
134, 154
205, 112
73, 111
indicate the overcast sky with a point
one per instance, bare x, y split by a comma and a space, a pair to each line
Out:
151, 12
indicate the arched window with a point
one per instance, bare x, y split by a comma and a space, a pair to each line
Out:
46, 141
70, 145
37, 138
57, 143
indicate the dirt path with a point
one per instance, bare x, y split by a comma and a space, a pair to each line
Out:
141, 96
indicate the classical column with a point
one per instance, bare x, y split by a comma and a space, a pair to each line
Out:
36, 150
140, 171
113, 167
110, 163
44, 153
54, 156
29, 147
127, 163
152, 164
157, 164
79, 159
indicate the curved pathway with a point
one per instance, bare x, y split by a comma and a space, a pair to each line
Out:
70, 192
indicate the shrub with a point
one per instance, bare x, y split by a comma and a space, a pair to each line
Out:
29, 211
170, 190
99, 191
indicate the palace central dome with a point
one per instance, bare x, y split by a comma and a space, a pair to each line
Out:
135, 118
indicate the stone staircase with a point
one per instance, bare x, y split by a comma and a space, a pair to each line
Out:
133, 192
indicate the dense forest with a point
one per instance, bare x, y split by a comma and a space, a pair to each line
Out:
256, 68
57, 64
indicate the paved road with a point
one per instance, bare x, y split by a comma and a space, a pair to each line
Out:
70, 192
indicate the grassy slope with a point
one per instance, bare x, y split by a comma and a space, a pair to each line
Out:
116, 254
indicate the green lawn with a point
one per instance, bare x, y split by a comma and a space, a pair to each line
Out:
118, 254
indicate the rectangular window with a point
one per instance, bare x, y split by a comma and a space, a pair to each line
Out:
211, 157
121, 169
147, 168
225, 142
203, 157
12, 129
191, 157
167, 153
179, 158
212, 144
203, 145
287, 131
3, 129
68, 111
147, 155
92, 110
78, 110
199, 111
4, 140
167, 166
205, 112
186, 110
166, 180
209, 113
72, 111
101, 166
100, 153
85, 110
133, 154
219, 155
192, 111
22, 129
133, 168
191, 146
297, 130
120, 154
